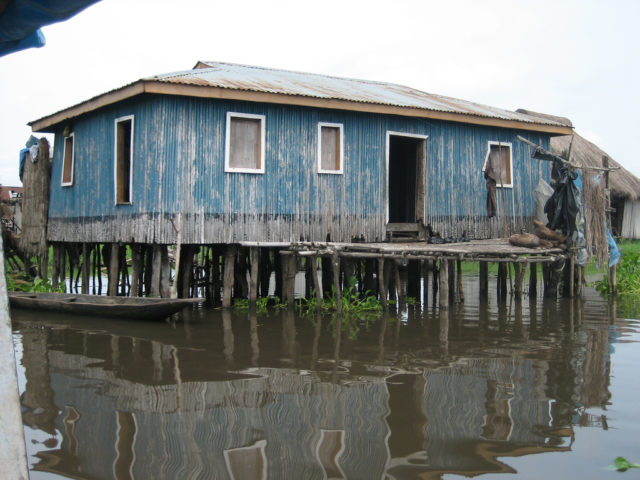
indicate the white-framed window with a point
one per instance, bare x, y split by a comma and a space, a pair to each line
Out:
244, 150
330, 148
68, 159
123, 159
498, 163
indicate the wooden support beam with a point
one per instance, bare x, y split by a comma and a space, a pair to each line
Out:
85, 269
335, 263
533, 280
229, 273
444, 284
165, 272
114, 269
136, 269
289, 264
484, 279
381, 285
502, 281
459, 280
316, 283
254, 262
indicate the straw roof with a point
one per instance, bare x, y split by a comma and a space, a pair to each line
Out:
622, 183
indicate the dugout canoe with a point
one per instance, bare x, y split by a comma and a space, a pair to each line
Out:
138, 308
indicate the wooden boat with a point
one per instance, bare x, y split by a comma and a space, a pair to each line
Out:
140, 308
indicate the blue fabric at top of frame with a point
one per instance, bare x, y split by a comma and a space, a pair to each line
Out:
21, 20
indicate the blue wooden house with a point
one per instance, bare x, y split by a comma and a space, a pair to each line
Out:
246, 153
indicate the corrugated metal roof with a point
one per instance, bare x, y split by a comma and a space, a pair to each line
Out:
283, 82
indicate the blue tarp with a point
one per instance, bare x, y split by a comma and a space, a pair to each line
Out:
21, 20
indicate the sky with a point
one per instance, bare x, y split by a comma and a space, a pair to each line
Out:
576, 59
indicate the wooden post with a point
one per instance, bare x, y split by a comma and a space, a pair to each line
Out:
229, 272
519, 270
533, 280
165, 272
265, 271
335, 262
288, 278
316, 283
55, 272
502, 281
216, 278
156, 270
572, 276
381, 286
114, 269
444, 284
484, 279
85, 269
136, 269
254, 261
452, 281
459, 279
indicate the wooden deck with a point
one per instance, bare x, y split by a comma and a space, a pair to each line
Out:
494, 250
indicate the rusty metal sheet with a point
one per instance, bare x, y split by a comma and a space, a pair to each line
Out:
284, 82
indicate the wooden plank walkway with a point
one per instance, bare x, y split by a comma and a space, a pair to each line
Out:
493, 250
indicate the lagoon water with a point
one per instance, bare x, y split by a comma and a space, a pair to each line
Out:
537, 389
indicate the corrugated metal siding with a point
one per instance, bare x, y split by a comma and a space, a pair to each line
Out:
179, 167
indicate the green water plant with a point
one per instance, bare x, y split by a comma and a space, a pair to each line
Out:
25, 283
351, 301
628, 272
621, 464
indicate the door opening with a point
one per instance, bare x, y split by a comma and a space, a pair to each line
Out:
406, 178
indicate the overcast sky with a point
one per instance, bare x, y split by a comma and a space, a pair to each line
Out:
578, 59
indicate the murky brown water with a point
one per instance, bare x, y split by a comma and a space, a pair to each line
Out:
537, 390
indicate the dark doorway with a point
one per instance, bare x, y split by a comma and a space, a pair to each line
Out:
406, 164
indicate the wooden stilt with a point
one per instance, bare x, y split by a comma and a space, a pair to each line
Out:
55, 272
308, 282
216, 277
136, 269
520, 269
156, 270
114, 270
484, 279
452, 281
277, 266
435, 271
572, 276
229, 272
165, 272
289, 263
459, 280
533, 280
425, 267
381, 285
313, 262
254, 261
502, 281
444, 283
335, 263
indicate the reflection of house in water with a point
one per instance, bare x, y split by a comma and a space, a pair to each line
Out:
172, 418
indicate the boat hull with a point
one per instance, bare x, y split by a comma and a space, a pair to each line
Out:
139, 308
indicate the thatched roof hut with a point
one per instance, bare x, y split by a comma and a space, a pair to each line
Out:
624, 186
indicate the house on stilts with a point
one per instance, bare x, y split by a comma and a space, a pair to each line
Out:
231, 155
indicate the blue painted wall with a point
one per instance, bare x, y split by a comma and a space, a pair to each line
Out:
179, 167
